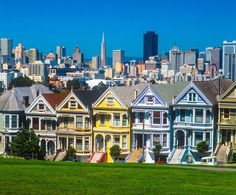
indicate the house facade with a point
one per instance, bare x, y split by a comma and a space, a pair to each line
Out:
153, 118
195, 120
112, 115
227, 126
42, 118
13, 104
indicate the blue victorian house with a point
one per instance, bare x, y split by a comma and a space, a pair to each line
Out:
195, 110
153, 120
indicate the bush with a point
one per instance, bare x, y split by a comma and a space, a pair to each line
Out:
115, 152
202, 147
157, 151
71, 154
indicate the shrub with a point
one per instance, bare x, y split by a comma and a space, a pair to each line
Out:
115, 152
202, 147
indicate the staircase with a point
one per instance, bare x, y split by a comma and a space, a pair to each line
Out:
135, 155
220, 156
60, 156
175, 158
97, 157
50, 157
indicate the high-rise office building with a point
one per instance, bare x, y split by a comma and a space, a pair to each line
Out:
209, 54
33, 55
20, 53
190, 57
118, 56
6, 56
38, 71
61, 52
150, 45
95, 62
216, 57
103, 52
176, 58
6, 46
78, 57
229, 59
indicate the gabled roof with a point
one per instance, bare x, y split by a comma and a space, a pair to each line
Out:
54, 99
211, 88
88, 97
126, 94
12, 100
169, 91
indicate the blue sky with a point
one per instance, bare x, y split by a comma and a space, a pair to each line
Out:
47, 23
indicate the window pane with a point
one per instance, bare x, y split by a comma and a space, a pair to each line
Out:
7, 121
124, 120
116, 120
165, 118
141, 117
14, 121
42, 124
208, 116
164, 140
86, 142
79, 122
199, 116
102, 119
156, 139
124, 141
35, 123
182, 115
156, 118
198, 137
79, 143
208, 138
116, 140
226, 113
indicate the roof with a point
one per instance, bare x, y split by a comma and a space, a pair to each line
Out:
210, 88
13, 100
54, 99
128, 93
88, 97
169, 91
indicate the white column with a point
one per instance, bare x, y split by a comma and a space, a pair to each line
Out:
17, 121
74, 142
204, 116
103, 144
67, 143
40, 119
31, 122
204, 136
193, 140
83, 143
194, 113
232, 136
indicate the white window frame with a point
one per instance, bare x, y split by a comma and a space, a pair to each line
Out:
71, 104
150, 102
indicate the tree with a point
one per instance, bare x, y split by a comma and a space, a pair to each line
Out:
115, 152
25, 144
157, 151
71, 154
75, 84
202, 147
153, 81
100, 86
21, 82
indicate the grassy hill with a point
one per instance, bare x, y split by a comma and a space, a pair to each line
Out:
40, 177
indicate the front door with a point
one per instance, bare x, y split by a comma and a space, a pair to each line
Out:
139, 141
180, 137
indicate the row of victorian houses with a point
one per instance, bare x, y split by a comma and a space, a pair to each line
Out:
178, 116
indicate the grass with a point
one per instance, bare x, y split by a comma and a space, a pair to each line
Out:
40, 177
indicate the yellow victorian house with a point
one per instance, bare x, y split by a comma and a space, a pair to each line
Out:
227, 126
112, 115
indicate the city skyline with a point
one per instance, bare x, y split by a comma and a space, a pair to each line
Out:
195, 25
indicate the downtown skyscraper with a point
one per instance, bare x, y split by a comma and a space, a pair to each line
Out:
150, 45
103, 52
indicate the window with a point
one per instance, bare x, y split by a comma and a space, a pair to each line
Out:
182, 115
79, 143
208, 138
141, 117
42, 124
208, 116
124, 120
86, 143
110, 100
164, 118
156, 117
49, 125
150, 100
116, 140
116, 120
198, 137
54, 125
124, 141
41, 107
156, 139
86, 123
226, 113
102, 119
36, 123
7, 121
72, 104
79, 122
192, 97
199, 116
164, 140
66, 121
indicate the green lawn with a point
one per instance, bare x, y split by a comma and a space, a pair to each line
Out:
38, 177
